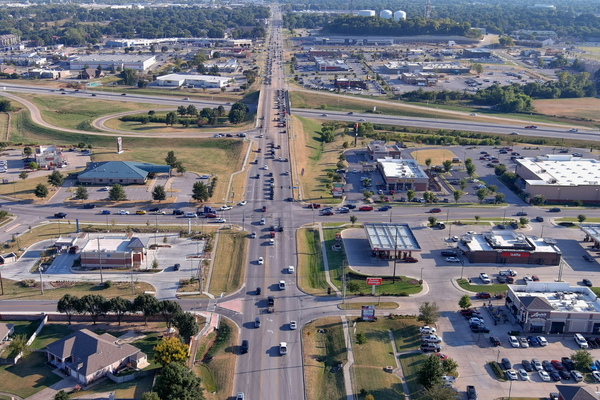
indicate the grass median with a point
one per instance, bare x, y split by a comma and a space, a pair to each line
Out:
323, 348
311, 270
494, 289
230, 260
411, 363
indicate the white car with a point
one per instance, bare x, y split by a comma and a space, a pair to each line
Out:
513, 341
286, 172
516, 134
283, 348
261, 260
123, 212
528, 279
544, 375
524, 375
293, 325
542, 341
455, 238
523, 342
476, 320
291, 269
573, 130
452, 259
511, 375
484, 278
473, 115
596, 375
266, 167
262, 221
271, 242
580, 340
508, 272
427, 330
205, 176
224, 208
243, 203
220, 220
190, 215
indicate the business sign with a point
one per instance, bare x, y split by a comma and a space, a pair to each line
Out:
374, 281
356, 127
119, 145
367, 313
514, 254
539, 315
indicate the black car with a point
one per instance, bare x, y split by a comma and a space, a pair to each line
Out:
60, 215
176, 267
258, 291
527, 366
588, 258
501, 279
555, 376
565, 375
89, 206
350, 206
587, 282
568, 363
592, 343
547, 366
244, 347
155, 209
555, 209
484, 329
521, 214
505, 363
495, 341
178, 212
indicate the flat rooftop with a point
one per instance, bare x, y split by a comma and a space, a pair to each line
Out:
562, 170
191, 77
401, 168
111, 244
507, 240
593, 230
428, 65
560, 296
112, 57
384, 236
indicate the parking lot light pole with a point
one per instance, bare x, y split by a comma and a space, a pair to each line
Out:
498, 358
422, 273
510, 389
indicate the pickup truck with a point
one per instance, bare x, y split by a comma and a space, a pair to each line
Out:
508, 272
471, 393
271, 304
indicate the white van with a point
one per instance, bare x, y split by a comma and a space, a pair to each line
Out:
281, 285
290, 269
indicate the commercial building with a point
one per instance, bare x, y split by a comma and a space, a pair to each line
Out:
229, 66
49, 156
208, 81
389, 239
592, 234
329, 53
108, 61
399, 67
350, 82
330, 65
476, 53
420, 78
9, 40
554, 307
402, 174
560, 177
121, 252
25, 60
121, 172
47, 73
378, 149
509, 247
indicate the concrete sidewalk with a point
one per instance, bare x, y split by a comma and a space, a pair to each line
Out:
325, 262
398, 371
347, 367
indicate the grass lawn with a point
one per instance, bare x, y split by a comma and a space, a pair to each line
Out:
438, 156
410, 367
126, 390
3, 124
222, 126
146, 344
329, 349
496, 288
27, 377
230, 257
26, 328
571, 108
23, 189
50, 333
218, 373
316, 158
378, 306
311, 271
382, 385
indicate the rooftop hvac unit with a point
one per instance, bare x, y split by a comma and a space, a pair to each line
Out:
591, 307
570, 307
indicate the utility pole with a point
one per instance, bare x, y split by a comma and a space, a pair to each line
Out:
395, 255
41, 282
1, 284
132, 292
99, 261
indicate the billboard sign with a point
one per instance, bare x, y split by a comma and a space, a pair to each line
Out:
119, 145
374, 281
367, 313
514, 254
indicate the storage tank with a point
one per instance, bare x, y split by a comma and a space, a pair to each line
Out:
398, 15
366, 13
387, 14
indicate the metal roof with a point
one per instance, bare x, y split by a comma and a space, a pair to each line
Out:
121, 170
393, 236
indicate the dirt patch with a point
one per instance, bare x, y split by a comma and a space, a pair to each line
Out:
438, 156
571, 108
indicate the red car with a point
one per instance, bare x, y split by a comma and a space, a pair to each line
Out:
264, 209
483, 295
410, 259
469, 312
557, 364
366, 208
441, 356
435, 210
314, 205
392, 192
531, 127
386, 198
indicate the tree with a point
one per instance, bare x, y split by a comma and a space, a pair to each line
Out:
432, 220
171, 118
171, 350
439, 393
541, 62
481, 193
463, 184
581, 218
447, 165
191, 110
237, 113
492, 188
181, 110
5, 106
428, 162
23, 175
582, 359
68, 304
62, 395
177, 382
523, 221
477, 68
200, 192
353, 219
171, 159
164, 49
27, 152
499, 198
352, 286
464, 302
19, 345
449, 365
120, 307
93, 304
186, 324
506, 41
179, 167
117, 193
147, 304
538, 199
428, 313
128, 76
410, 194
56, 179
457, 195
367, 194
430, 373
470, 169
159, 193
499, 169
167, 309
81, 193
41, 191
33, 166
340, 165
150, 396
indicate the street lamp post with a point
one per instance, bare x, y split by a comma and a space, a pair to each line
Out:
422, 273
41, 282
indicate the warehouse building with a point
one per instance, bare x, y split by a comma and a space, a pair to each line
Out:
178, 80
402, 174
121, 172
560, 177
476, 53
108, 61
389, 239
509, 247
114, 252
554, 308
399, 67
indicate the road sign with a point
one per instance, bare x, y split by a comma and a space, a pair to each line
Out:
294, 187
367, 313
374, 281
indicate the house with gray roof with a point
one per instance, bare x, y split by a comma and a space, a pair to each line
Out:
5, 331
575, 393
88, 357
121, 172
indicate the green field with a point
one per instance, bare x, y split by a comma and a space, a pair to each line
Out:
311, 270
410, 367
496, 288
27, 377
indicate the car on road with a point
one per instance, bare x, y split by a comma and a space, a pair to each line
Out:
60, 215
244, 347
271, 242
123, 212
225, 208
89, 206
514, 133
452, 259
242, 203
361, 120
343, 210
191, 215
471, 393
293, 325
283, 348
384, 208
435, 210
324, 115
531, 127
220, 220
140, 212
544, 376
521, 214
240, 396
261, 260
105, 212
587, 282
554, 210
366, 208
483, 295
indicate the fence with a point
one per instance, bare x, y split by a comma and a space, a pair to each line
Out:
130, 377
13, 361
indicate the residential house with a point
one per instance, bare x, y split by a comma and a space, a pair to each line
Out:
575, 393
88, 357
5, 331
91, 73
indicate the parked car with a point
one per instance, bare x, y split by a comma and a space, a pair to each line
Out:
523, 342
508, 272
555, 376
547, 366
484, 278
527, 365
557, 364
505, 363
544, 376
426, 330
568, 363
495, 341
580, 340
542, 341
483, 295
